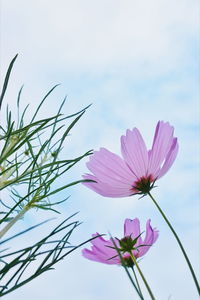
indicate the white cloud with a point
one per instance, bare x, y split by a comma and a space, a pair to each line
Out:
94, 35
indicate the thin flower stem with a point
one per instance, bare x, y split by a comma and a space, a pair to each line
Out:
179, 242
13, 221
20, 214
133, 283
137, 282
141, 274
126, 269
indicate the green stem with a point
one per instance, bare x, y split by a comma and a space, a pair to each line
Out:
126, 269
179, 242
137, 282
133, 283
13, 221
141, 274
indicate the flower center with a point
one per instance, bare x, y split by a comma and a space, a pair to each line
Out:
126, 247
144, 184
127, 243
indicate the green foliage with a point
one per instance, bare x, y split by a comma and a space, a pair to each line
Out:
21, 268
30, 169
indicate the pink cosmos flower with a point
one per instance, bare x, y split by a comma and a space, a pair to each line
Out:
139, 168
104, 251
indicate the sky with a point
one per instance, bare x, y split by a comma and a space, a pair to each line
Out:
137, 62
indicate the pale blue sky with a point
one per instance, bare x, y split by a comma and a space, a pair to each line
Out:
137, 62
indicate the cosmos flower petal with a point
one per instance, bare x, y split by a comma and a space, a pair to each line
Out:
102, 251
131, 227
169, 159
106, 190
134, 152
163, 140
91, 255
103, 246
113, 177
109, 167
97, 241
150, 238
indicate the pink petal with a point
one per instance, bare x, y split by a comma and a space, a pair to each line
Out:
113, 177
134, 152
132, 228
170, 158
110, 168
98, 241
106, 190
150, 239
101, 251
107, 249
104, 246
92, 256
163, 140
96, 257
99, 244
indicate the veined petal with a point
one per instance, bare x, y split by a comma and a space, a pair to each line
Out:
102, 251
170, 158
112, 175
132, 229
106, 190
150, 238
163, 140
89, 254
104, 246
99, 240
134, 152
110, 168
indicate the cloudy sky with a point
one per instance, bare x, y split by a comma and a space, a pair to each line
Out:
137, 62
